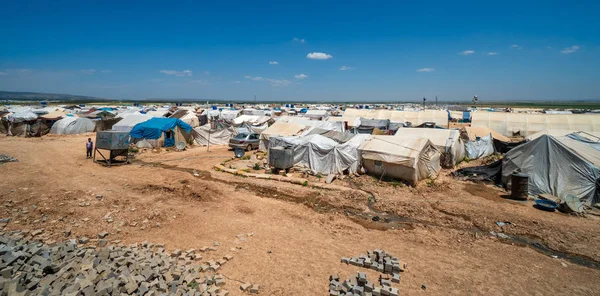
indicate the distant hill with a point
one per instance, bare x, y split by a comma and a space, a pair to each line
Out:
32, 96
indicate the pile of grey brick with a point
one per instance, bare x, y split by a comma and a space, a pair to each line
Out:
378, 260
66, 268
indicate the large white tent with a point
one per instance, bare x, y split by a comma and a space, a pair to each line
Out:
525, 124
439, 117
410, 160
204, 135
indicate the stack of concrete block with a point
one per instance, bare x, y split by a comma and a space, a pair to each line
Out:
67, 268
378, 260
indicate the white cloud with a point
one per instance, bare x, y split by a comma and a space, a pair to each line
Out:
301, 40
346, 68
106, 71
300, 76
273, 63
177, 73
571, 49
88, 71
237, 82
319, 56
550, 47
491, 53
426, 70
272, 81
467, 52
515, 46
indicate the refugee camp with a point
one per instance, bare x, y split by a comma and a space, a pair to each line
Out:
299, 148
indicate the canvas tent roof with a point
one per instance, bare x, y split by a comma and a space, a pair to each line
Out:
280, 128
560, 133
158, 114
128, 122
414, 159
471, 133
329, 125
54, 115
448, 142
186, 116
72, 125
153, 128
230, 115
557, 165
251, 119
415, 117
526, 124
316, 113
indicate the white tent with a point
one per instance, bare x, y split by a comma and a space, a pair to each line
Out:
448, 142
410, 160
128, 122
568, 164
317, 114
72, 125
328, 125
204, 135
524, 124
439, 117
229, 115
323, 155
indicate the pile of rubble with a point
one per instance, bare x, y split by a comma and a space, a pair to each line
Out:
66, 268
5, 158
378, 260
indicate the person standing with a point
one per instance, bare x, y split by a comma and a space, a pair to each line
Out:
89, 146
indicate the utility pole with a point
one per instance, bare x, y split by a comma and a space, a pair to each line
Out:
436, 101
424, 99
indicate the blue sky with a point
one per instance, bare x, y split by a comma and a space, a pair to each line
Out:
364, 50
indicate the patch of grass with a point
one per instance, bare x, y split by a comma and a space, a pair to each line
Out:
305, 183
246, 170
193, 285
319, 176
256, 166
397, 183
134, 150
285, 174
245, 157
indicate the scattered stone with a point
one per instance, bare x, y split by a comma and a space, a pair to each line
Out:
254, 289
83, 240
102, 234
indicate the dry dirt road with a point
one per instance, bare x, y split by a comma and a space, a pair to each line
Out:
299, 234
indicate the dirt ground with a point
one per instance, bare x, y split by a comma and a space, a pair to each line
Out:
290, 238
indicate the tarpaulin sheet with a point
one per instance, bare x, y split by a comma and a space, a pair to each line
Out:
204, 135
72, 125
323, 155
481, 147
153, 128
525, 124
558, 166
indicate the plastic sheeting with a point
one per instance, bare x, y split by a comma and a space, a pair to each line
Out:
558, 166
128, 122
153, 128
448, 142
230, 115
410, 160
279, 128
510, 124
72, 125
323, 155
481, 147
204, 135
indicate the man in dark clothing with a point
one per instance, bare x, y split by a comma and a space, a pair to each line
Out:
89, 145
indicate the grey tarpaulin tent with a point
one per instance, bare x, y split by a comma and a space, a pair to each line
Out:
557, 165
323, 155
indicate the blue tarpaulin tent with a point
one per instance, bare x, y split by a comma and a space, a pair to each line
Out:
155, 128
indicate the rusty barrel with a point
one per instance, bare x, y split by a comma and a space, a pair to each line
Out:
519, 186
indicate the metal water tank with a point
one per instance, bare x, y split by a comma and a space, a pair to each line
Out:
281, 157
519, 186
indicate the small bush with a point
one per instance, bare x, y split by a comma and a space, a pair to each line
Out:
305, 183
256, 166
319, 176
134, 150
245, 157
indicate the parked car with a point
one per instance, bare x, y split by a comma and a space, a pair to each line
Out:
244, 140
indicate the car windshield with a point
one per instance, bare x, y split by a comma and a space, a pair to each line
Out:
241, 136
